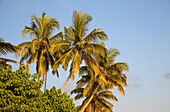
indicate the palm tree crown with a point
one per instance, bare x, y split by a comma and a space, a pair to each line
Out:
92, 85
38, 49
79, 46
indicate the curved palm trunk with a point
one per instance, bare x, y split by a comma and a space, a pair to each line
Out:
66, 82
90, 107
85, 104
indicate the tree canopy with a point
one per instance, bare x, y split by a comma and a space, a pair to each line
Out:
19, 91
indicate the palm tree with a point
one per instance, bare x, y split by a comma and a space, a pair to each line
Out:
100, 100
39, 48
80, 46
113, 77
6, 48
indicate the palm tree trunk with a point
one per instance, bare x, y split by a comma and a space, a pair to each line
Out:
66, 82
38, 78
85, 104
90, 107
45, 82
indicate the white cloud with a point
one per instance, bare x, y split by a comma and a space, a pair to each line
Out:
167, 75
132, 81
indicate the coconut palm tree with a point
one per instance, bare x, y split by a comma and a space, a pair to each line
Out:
113, 77
39, 48
6, 48
80, 46
99, 102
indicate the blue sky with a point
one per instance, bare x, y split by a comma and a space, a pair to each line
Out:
140, 29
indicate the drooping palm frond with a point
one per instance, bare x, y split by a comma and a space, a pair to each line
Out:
7, 60
64, 59
76, 62
6, 48
95, 36
33, 33
95, 49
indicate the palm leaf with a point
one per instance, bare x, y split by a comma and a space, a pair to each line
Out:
8, 60
121, 90
76, 62
95, 35
57, 36
6, 48
64, 59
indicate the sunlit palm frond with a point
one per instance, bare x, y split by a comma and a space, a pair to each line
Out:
31, 31
76, 62
80, 22
25, 54
95, 36
49, 26
59, 44
32, 58
108, 95
57, 36
64, 59
95, 49
69, 34
104, 104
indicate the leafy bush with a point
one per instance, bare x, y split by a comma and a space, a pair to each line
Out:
19, 91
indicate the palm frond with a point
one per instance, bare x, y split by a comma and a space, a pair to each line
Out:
69, 34
32, 58
64, 59
104, 104
121, 90
95, 36
108, 95
49, 26
77, 90
6, 48
76, 62
80, 22
59, 44
33, 33
95, 49
8, 60
57, 36
25, 54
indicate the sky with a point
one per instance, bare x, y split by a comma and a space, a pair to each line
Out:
140, 29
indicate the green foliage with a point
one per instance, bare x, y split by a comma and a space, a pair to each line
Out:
57, 101
19, 91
